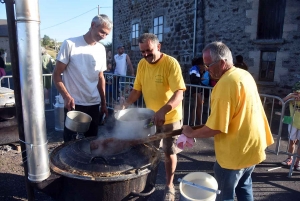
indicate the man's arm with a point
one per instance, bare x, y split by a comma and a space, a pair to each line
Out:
101, 89
130, 64
174, 101
133, 96
204, 132
68, 99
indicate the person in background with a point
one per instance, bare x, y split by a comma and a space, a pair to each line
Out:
294, 126
109, 82
198, 76
240, 62
82, 61
121, 61
237, 122
2, 68
109, 57
160, 80
4, 55
47, 68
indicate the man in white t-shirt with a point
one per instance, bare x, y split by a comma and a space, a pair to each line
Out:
82, 61
121, 61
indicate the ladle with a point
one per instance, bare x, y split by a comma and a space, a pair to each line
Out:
199, 186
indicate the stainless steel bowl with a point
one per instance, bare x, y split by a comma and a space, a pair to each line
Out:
78, 121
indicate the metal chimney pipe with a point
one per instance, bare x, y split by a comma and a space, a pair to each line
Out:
29, 50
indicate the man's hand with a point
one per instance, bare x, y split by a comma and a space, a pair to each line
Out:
69, 103
159, 118
187, 130
103, 110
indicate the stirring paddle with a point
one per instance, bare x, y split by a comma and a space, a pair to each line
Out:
110, 146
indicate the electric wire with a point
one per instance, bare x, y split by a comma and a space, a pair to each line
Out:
73, 18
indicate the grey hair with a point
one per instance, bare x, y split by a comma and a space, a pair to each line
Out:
103, 20
148, 36
218, 50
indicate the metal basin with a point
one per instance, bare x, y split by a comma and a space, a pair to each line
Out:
78, 121
135, 123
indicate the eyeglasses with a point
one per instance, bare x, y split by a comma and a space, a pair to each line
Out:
209, 65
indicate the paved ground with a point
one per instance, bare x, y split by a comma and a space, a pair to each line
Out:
267, 185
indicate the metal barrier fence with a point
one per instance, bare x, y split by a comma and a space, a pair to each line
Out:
7, 81
287, 118
196, 104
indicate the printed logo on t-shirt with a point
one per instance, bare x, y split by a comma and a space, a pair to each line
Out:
159, 79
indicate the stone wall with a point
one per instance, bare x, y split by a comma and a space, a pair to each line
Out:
232, 21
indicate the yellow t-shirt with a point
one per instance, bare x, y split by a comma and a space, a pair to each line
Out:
295, 114
237, 111
158, 82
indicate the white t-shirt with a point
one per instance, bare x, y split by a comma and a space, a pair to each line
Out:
121, 64
84, 63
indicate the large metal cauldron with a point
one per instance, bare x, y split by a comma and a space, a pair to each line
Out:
127, 175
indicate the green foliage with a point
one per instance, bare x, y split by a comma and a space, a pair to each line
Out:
108, 46
46, 41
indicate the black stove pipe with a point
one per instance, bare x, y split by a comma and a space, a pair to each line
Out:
11, 24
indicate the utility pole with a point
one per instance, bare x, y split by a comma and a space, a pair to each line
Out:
98, 9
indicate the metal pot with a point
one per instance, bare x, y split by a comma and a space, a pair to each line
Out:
78, 121
135, 123
122, 176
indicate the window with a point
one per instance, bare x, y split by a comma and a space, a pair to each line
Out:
135, 34
158, 27
270, 19
267, 66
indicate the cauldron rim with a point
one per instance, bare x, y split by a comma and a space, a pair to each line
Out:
96, 176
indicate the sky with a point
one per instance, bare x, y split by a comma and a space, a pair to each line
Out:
77, 13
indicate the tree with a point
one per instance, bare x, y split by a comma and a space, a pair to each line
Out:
46, 41
108, 46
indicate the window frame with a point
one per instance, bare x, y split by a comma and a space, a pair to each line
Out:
267, 63
270, 20
135, 29
158, 27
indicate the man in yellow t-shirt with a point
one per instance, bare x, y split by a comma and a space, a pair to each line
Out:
160, 80
237, 122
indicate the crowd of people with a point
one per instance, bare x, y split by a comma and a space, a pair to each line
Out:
237, 121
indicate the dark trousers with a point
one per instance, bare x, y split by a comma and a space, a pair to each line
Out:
93, 111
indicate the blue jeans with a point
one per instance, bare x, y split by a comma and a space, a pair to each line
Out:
232, 182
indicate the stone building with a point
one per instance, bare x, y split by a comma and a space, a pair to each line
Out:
4, 42
265, 32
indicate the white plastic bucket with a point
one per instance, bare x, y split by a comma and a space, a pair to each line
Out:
190, 193
59, 114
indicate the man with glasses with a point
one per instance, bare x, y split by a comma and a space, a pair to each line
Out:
82, 61
237, 122
160, 80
